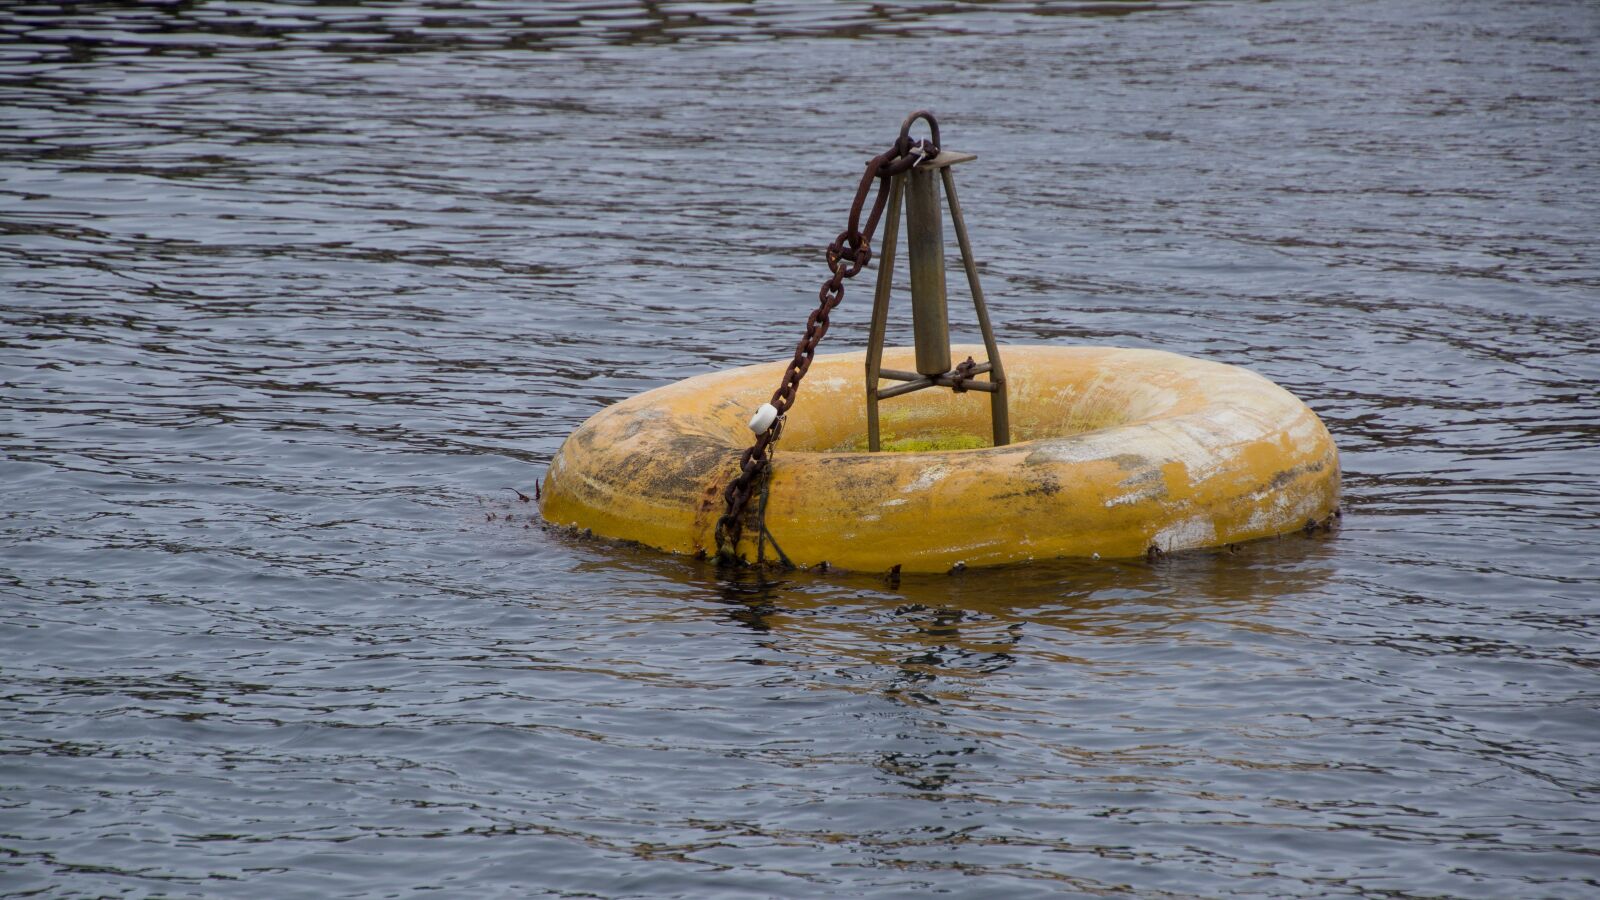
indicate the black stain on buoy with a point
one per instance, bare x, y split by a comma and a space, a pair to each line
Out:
894, 576
1153, 553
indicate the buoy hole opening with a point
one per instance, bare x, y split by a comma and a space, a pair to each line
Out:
937, 421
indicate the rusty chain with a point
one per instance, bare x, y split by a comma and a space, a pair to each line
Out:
847, 256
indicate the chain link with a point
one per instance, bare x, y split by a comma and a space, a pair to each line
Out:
849, 253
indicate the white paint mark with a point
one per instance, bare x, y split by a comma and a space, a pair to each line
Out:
927, 479
1147, 493
1196, 531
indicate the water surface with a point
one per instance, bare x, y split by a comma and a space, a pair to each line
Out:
295, 295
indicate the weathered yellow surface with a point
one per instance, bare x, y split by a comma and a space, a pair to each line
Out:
1114, 451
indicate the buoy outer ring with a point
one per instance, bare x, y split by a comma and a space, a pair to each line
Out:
1158, 450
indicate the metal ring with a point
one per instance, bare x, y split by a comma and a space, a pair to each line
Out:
933, 126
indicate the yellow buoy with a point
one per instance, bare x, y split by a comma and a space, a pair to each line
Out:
1114, 451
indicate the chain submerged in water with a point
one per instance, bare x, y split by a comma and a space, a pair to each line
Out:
847, 256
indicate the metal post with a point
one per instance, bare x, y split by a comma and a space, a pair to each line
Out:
930, 314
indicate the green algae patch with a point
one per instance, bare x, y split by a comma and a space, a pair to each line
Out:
919, 443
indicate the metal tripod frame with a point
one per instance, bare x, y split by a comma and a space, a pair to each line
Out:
925, 246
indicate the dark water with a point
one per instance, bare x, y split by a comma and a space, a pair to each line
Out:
293, 295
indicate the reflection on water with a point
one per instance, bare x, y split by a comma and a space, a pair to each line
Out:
296, 295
